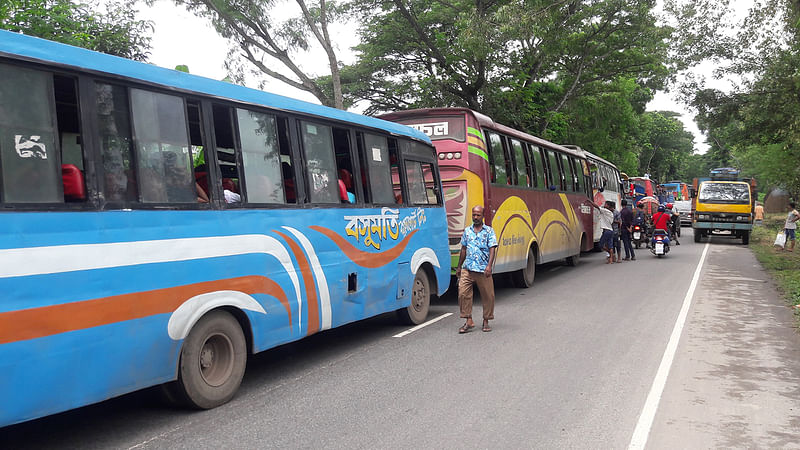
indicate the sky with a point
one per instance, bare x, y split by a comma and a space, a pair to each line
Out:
182, 38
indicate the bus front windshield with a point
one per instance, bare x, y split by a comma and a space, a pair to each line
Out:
735, 193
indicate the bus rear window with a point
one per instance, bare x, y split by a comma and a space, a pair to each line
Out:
438, 128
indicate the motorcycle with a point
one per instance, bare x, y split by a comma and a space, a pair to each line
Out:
659, 244
638, 235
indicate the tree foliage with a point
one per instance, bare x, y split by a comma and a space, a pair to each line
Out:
755, 125
115, 31
577, 72
266, 45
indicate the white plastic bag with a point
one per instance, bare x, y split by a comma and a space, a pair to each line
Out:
780, 239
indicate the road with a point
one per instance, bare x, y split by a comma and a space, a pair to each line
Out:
570, 363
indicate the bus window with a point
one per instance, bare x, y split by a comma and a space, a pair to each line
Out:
420, 180
569, 180
28, 153
499, 173
374, 155
556, 177
538, 166
164, 161
521, 164
263, 179
344, 165
322, 177
116, 143
226, 156
579, 175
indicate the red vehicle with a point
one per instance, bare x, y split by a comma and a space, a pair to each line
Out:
536, 194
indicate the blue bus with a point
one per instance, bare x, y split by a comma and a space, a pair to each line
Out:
158, 227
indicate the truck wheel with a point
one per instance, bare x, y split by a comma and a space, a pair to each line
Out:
745, 237
212, 362
417, 311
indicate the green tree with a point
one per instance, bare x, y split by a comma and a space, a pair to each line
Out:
523, 62
666, 146
754, 126
263, 45
116, 31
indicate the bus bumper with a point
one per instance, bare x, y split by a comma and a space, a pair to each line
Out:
722, 226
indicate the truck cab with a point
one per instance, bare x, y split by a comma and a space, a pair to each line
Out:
723, 204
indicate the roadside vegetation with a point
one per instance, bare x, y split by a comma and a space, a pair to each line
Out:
784, 266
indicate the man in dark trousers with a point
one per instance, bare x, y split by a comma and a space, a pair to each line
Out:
627, 228
478, 248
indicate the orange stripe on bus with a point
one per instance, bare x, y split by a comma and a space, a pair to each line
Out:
362, 258
476, 141
308, 282
49, 320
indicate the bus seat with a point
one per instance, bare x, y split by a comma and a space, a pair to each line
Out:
74, 187
343, 191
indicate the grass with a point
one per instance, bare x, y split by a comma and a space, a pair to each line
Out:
782, 265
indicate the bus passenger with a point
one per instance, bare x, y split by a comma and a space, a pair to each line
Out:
478, 248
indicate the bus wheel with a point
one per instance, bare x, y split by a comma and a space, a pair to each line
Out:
573, 260
745, 237
212, 362
417, 311
523, 278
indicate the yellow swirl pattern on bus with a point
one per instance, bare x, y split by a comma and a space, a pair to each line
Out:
554, 232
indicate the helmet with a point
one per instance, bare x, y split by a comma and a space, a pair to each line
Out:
661, 208
669, 205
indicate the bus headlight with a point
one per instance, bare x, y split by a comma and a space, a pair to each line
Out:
458, 155
449, 156
442, 155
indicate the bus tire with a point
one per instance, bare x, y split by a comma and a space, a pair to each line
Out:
523, 278
417, 311
573, 260
212, 362
745, 237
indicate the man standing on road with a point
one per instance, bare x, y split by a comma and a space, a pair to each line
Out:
627, 227
478, 248
607, 238
791, 225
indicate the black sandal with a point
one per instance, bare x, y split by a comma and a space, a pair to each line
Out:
465, 328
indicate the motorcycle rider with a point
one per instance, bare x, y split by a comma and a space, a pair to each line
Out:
675, 217
661, 220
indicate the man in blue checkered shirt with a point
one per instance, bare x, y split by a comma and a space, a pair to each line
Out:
478, 248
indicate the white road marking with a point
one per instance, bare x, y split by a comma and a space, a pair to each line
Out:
642, 431
411, 330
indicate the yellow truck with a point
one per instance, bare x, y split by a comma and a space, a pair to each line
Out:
723, 204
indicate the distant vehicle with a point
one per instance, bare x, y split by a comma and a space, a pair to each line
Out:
723, 204
684, 208
536, 193
644, 187
157, 228
674, 191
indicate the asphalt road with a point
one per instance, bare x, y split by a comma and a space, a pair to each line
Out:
569, 364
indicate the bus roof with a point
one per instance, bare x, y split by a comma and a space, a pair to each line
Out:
484, 121
589, 155
40, 50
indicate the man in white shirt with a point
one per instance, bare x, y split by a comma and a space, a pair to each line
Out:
606, 219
